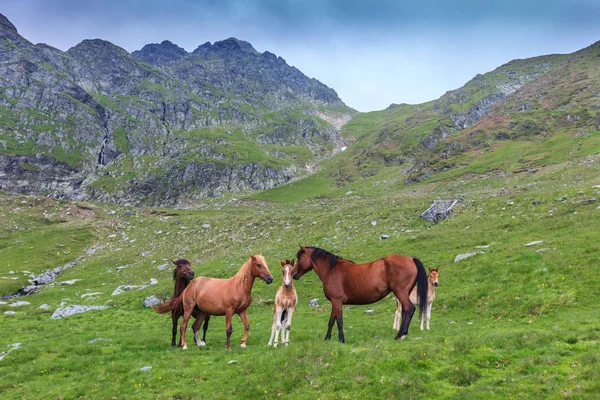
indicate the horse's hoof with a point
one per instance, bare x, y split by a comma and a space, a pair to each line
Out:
400, 337
185, 347
243, 346
274, 345
201, 343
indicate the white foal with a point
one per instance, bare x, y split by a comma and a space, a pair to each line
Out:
285, 304
432, 283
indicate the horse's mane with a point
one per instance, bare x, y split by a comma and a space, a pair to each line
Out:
322, 253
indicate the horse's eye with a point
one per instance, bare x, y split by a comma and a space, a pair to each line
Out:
259, 265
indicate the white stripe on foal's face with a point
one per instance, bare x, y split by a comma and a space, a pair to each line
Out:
287, 279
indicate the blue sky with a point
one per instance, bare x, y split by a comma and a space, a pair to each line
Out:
373, 53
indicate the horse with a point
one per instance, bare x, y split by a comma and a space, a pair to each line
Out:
215, 296
285, 304
432, 283
182, 275
345, 282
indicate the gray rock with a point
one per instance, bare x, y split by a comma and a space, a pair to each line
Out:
19, 304
162, 267
45, 307
383, 237
10, 312
146, 369
534, 243
100, 340
313, 303
67, 311
461, 257
152, 301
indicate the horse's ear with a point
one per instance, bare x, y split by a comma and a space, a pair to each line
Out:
300, 246
252, 257
282, 263
293, 262
174, 262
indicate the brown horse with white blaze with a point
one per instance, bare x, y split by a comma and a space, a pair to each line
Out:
345, 282
215, 296
183, 275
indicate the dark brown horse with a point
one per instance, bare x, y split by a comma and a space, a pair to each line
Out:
215, 296
345, 282
182, 275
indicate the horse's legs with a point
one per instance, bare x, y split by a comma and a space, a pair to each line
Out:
205, 328
340, 320
408, 309
175, 316
397, 315
187, 312
244, 318
288, 326
276, 326
200, 317
428, 311
330, 324
228, 327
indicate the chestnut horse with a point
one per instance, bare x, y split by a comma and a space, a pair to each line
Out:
345, 282
432, 283
182, 275
215, 296
285, 304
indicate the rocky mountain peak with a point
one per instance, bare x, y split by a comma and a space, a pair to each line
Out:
165, 53
6, 24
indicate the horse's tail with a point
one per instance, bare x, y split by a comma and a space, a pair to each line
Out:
174, 304
422, 285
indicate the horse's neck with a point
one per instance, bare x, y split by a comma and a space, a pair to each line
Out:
322, 269
180, 284
244, 278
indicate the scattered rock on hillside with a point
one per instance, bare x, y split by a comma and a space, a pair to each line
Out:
461, 257
12, 347
535, 243
162, 267
440, 210
10, 312
124, 288
100, 340
19, 304
146, 369
152, 301
45, 307
74, 309
383, 237
313, 303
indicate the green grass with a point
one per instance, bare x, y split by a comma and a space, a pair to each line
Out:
510, 323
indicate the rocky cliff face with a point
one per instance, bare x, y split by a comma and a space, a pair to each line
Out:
159, 126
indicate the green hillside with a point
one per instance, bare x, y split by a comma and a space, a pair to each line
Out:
511, 321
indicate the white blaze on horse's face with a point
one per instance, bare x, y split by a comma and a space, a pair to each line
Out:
287, 277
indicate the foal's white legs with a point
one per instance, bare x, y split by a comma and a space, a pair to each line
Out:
288, 327
276, 327
428, 311
397, 316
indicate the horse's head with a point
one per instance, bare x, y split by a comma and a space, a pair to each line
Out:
304, 263
433, 276
182, 270
260, 269
288, 269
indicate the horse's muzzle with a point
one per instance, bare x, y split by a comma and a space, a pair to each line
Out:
191, 275
269, 279
435, 284
296, 276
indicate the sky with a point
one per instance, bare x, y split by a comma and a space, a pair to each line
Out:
372, 52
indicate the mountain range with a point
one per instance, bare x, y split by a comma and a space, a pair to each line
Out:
159, 126
162, 126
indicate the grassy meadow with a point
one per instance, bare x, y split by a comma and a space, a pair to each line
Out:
512, 321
